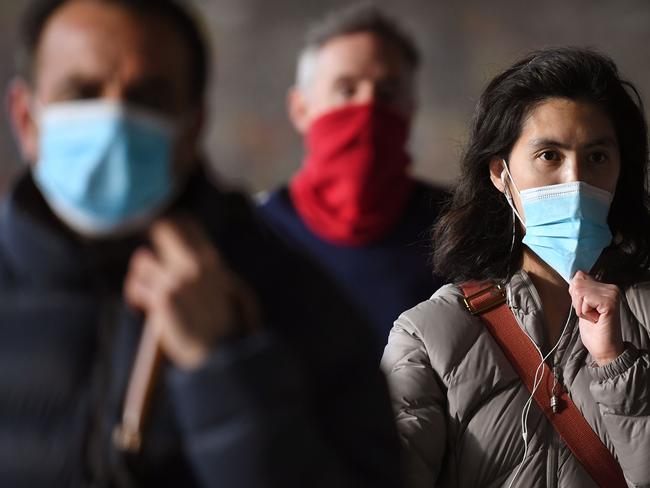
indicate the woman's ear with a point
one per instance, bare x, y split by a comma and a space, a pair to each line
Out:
498, 173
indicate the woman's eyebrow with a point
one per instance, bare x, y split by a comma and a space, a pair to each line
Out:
535, 143
601, 141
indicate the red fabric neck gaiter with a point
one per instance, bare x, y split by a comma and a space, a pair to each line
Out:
354, 185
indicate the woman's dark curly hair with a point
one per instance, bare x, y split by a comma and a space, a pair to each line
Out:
472, 238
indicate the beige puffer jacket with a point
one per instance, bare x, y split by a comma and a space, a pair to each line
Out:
458, 402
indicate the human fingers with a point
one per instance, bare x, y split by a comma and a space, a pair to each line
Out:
182, 244
144, 279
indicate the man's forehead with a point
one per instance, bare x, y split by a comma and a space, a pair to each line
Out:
359, 49
102, 34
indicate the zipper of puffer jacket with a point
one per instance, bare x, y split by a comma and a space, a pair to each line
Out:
552, 453
553, 449
552, 461
552, 474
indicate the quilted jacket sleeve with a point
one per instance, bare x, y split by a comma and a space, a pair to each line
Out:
418, 403
622, 391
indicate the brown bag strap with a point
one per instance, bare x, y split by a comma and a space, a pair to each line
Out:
489, 302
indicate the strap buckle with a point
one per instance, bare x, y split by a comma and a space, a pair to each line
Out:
485, 299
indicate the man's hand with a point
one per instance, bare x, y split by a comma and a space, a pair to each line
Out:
187, 292
597, 306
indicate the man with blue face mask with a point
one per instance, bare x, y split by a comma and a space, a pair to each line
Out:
115, 225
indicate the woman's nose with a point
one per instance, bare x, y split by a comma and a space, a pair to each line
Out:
573, 169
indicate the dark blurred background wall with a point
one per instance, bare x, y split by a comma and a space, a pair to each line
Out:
464, 43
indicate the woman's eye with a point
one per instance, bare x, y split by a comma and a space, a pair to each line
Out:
598, 157
549, 156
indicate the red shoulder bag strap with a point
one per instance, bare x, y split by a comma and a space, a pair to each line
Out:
489, 302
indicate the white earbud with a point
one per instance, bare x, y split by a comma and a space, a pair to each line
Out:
506, 191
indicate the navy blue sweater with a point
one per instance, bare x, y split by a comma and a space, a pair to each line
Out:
382, 279
299, 404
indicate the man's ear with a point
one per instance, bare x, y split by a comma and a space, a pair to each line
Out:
188, 145
197, 123
298, 110
498, 173
194, 130
19, 106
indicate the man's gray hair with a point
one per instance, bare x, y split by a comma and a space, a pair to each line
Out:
359, 17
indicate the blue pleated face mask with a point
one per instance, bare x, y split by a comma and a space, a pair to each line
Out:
566, 224
104, 167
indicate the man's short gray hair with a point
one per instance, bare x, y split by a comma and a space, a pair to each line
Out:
359, 17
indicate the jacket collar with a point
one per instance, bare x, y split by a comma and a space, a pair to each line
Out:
522, 294
42, 252
525, 303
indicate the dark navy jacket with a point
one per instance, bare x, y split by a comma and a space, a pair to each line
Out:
384, 278
299, 404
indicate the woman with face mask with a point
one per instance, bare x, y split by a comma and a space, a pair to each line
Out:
532, 368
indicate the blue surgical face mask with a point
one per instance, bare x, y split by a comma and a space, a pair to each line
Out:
566, 224
104, 167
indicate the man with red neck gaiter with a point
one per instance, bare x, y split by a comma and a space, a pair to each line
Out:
353, 206
354, 185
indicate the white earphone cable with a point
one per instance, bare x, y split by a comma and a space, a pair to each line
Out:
536, 382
